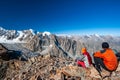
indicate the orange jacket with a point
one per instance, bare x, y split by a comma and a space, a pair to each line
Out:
109, 58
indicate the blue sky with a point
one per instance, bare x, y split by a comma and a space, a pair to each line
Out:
62, 16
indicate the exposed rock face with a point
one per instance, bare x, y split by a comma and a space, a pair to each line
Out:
33, 44
50, 68
68, 46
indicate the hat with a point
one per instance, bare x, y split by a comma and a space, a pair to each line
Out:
83, 50
105, 45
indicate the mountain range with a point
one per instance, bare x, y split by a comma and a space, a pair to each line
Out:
57, 45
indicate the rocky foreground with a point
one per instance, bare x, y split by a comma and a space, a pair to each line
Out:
50, 68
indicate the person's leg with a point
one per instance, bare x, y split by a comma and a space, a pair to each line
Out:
81, 63
97, 64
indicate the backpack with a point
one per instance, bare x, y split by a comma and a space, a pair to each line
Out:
117, 54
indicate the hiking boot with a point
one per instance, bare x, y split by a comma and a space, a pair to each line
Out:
105, 73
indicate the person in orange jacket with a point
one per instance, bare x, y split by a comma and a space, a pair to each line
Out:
86, 60
105, 58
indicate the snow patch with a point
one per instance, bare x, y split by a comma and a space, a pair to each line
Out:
46, 33
64, 35
10, 41
97, 35
20, 33
2, 29
32, 31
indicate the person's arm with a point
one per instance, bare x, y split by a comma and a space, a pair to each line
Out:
81, 58
98, 54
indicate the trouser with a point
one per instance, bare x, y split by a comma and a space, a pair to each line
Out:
81, 63
99, 63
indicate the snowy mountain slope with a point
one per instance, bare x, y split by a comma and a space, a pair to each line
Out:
13, 36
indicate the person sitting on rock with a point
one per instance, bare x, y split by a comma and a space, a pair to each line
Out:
105, 58
86, 60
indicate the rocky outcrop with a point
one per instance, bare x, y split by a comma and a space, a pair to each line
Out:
50, 68
78, 73
33, 69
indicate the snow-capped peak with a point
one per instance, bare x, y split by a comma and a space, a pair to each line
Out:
32, 31
46, 33
2, 28
96, 35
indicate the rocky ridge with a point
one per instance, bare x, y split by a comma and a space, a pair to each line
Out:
50, 68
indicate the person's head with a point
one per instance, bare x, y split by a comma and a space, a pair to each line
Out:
83, 50
105, 45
